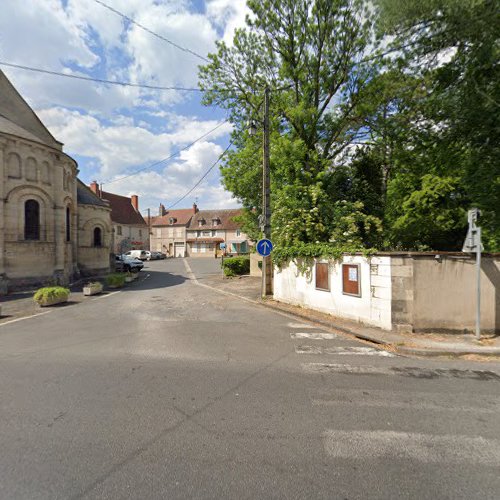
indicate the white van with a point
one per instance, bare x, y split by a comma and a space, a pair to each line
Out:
138, 254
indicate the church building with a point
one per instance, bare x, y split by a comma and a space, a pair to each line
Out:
53, 228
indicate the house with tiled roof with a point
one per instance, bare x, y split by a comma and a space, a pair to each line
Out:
130, 230
215, 232
168, 230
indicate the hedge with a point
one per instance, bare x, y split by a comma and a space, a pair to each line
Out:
236, 266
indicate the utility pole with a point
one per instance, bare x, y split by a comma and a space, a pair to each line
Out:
267, 267
149, 228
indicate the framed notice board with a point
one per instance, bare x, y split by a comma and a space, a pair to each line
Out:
351, 280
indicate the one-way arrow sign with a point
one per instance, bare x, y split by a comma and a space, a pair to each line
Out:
264, 247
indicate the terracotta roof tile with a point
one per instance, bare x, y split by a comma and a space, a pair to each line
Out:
122, 211
181, 216
224, 215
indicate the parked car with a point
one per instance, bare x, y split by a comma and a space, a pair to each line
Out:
137, 254
157, 256
125, 263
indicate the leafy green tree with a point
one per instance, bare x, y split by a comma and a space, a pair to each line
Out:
311, 54
451, 49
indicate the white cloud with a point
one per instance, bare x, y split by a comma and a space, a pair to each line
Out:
228, 15
120, 146
108, 124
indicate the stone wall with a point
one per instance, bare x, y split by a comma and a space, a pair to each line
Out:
94, 260
443, 289
372, 306
405, 292
33, 171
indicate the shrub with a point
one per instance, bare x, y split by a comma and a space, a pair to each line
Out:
115, 280
50, 293
236, 266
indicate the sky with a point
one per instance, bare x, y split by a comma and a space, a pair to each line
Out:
113, 131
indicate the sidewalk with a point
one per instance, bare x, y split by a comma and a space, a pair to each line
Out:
418, 344
18, 305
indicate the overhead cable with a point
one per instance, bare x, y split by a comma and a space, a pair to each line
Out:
98, 80
133, 21
173, 155
201, 178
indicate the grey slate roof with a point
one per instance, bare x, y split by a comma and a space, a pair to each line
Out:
16, 111
85, 196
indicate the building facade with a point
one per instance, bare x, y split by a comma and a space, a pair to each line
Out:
168, 231
47, 217
215, 232
130, 230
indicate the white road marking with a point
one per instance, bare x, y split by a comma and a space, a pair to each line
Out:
425, 448
25, 317
404, 405
342, 351
106, 295
314, 335
190, 273
300, 325
410, 371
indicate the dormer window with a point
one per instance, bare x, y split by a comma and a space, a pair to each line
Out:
201, 222
215, 221
172, 220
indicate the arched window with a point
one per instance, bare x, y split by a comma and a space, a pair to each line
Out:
68, 224
97, 237
31, 220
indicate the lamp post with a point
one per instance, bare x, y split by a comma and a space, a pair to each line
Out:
265, 222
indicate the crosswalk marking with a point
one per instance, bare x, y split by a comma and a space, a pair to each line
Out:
300, 325
313, 335
426, 448
342, 351
405, 405
411, 371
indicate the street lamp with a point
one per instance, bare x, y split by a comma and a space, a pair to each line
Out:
265, 221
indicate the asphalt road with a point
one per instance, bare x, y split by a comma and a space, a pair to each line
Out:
171, 390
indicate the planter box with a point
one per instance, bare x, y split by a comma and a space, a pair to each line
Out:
129, 279
115, 286
52, 301
92, 289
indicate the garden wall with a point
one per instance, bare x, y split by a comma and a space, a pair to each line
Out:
398, 291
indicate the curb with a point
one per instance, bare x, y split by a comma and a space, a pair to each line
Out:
419, 351
413, 351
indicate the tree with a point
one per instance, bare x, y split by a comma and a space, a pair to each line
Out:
451, 48
311, 54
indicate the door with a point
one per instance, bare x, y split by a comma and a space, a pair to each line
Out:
179, 249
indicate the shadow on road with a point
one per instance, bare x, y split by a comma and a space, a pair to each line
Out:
151, 280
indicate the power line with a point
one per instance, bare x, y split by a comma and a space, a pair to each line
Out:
129, 19
201, 178
173, 155
98, 80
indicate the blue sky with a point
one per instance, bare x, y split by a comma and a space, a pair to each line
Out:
112, 131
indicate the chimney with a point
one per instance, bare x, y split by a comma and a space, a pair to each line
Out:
95, 188
161, 211
195, 208
134, 199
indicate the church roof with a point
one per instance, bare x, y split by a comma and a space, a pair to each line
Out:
17, 117
85, 196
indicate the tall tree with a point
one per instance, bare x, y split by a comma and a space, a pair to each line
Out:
449, 159
311, 53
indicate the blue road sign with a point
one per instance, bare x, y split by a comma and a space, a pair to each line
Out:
264, 247
222, 246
